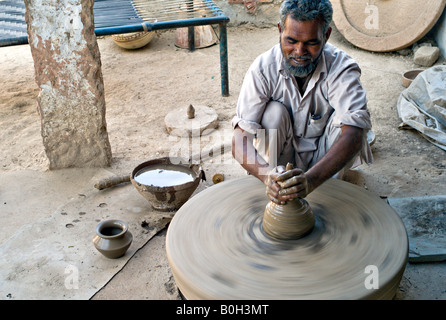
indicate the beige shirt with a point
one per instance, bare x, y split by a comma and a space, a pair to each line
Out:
334, 87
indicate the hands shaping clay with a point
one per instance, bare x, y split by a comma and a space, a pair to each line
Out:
288, 221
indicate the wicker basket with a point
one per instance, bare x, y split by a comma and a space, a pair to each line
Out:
133, 40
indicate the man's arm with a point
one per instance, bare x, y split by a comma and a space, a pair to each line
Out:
244, 152
342, 152
300, 184
296, 183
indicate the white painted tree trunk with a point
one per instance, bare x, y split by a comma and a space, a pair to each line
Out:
67, 65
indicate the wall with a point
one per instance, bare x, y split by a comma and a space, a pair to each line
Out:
266, 14
439, 33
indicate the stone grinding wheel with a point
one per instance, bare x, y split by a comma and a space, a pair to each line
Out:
383, 26
217, 248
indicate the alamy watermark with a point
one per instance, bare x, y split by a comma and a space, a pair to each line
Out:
372, 280
72, 278
372, 20
216, 145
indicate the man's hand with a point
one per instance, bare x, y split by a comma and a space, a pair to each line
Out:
283, 186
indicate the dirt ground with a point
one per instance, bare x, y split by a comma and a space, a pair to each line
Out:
142, 86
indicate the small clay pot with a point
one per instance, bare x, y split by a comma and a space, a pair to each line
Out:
409, 76
113, 238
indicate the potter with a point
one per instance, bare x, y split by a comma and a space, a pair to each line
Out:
310, 92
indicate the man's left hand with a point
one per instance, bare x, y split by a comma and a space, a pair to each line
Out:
294, 184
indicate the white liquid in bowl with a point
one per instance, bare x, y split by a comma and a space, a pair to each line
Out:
164, 176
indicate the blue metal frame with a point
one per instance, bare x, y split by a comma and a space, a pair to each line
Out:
219, 19
152, 26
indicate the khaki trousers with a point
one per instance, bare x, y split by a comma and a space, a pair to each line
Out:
276, 142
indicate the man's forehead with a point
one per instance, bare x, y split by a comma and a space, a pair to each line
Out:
308, 28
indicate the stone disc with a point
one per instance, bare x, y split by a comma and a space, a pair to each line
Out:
382, 26
178, 123
217, 248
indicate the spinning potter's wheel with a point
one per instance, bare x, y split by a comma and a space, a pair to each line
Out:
217, 247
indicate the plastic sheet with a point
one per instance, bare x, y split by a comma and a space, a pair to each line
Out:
422, 106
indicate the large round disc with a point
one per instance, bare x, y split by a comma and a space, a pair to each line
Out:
178, 123
385, 25
217, 248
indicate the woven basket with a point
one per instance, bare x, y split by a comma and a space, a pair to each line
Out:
134, 40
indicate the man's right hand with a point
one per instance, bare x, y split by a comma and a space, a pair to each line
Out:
272, 187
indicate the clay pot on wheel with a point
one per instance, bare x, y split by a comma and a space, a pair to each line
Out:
113, 238
291, 221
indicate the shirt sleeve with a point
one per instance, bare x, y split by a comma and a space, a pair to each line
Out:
348, 97
251, 104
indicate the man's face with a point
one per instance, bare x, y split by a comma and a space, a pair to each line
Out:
302, 43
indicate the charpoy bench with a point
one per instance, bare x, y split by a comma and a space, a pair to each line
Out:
126, 16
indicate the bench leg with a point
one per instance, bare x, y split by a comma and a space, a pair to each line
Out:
224, 60
191, 38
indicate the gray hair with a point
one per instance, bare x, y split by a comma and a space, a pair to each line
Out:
306, 10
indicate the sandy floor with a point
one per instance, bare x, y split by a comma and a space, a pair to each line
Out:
142, 86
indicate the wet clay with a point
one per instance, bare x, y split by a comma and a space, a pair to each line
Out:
218, 249
164, 175
288, 221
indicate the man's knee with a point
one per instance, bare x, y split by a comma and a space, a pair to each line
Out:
274, 141
275, 116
